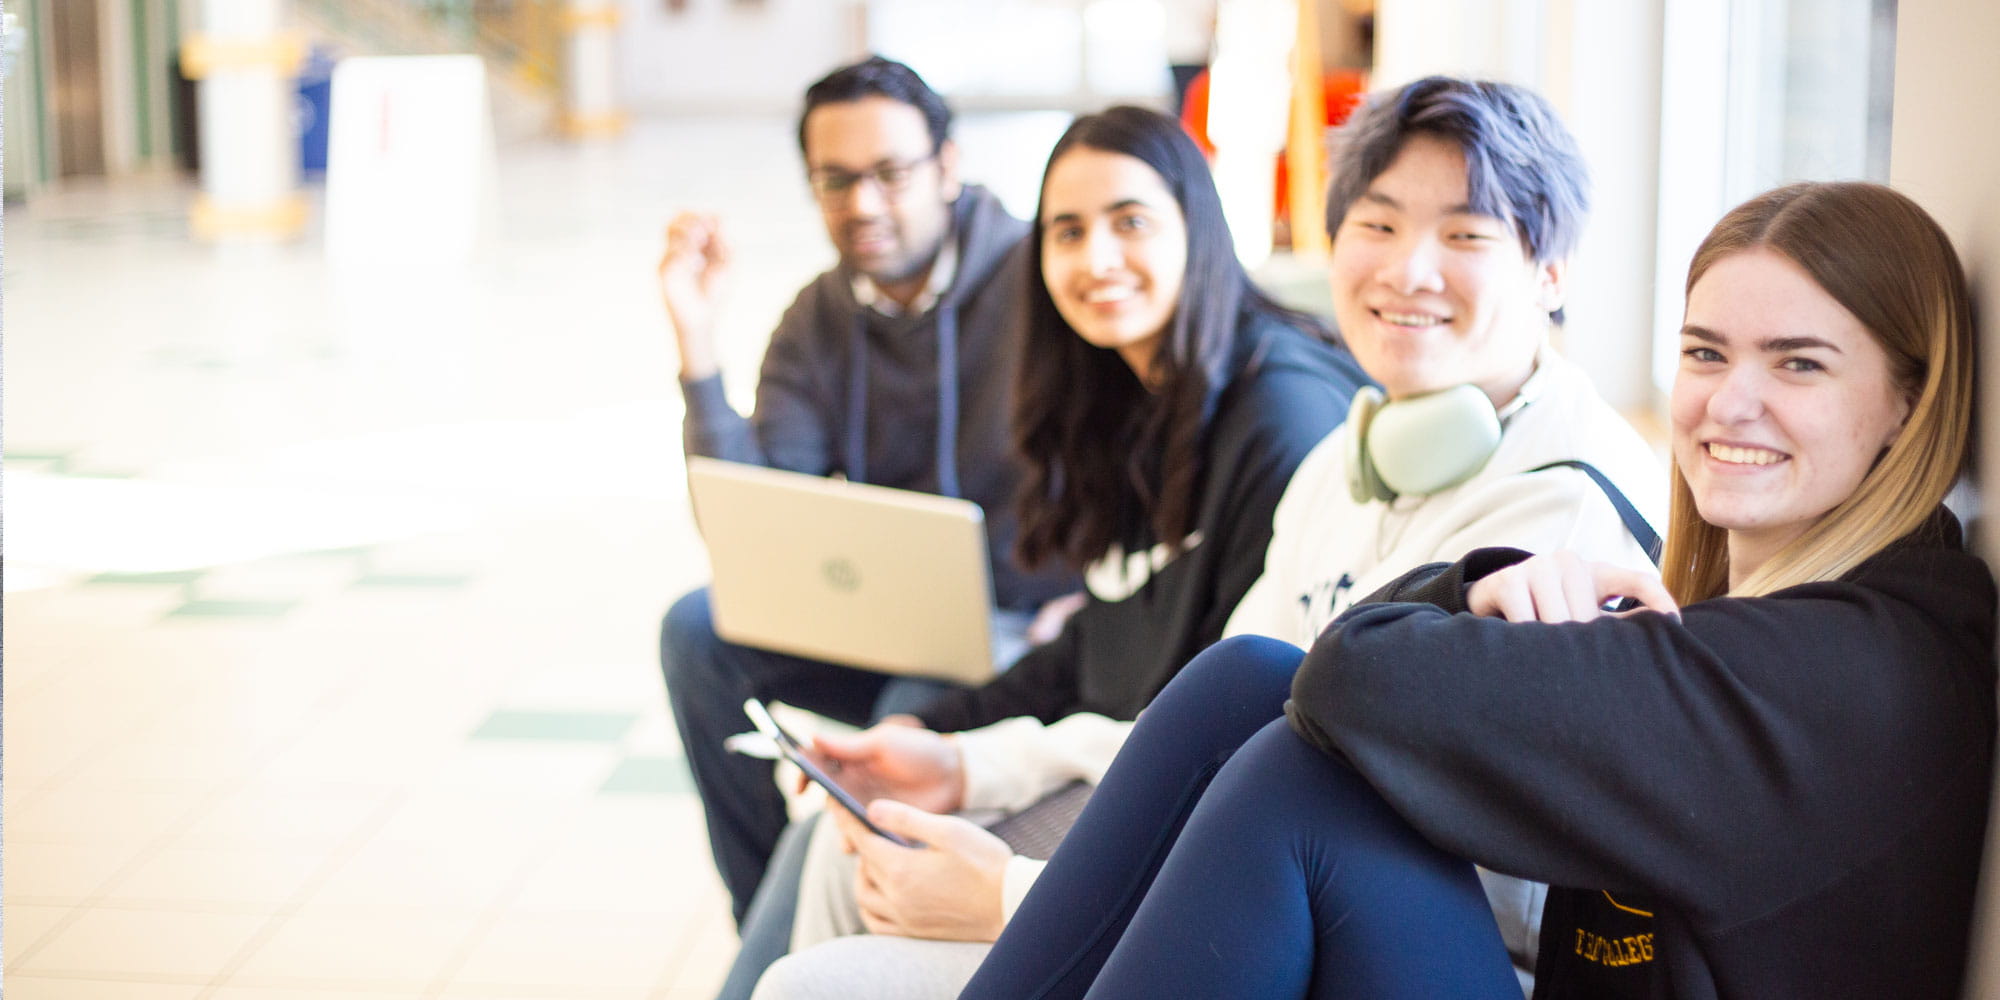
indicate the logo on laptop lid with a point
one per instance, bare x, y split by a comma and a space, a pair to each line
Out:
841, 574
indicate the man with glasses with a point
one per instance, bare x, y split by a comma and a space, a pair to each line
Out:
893, 368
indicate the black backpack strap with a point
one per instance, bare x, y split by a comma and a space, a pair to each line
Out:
1634, 521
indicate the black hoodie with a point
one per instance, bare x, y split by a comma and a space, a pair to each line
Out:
1781, 796
1288, 391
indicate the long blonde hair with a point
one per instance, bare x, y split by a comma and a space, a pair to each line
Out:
1889, 264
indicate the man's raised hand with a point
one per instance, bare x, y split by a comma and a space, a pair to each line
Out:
691, 271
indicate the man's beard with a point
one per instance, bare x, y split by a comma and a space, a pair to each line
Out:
900, 268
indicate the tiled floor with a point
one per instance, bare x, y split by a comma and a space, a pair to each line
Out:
331, 598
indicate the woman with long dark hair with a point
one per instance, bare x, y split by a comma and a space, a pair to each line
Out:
1770, 780
1162, 405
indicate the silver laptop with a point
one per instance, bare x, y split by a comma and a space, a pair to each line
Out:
867, 576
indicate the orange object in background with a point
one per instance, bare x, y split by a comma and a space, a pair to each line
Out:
1194, 112
1343, 90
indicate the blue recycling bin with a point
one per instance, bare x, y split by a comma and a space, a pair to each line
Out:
315, 103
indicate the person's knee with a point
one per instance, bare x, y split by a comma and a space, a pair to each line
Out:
1247, 659
798, 976
1276, 759
687, 638
1252, 671
876, 966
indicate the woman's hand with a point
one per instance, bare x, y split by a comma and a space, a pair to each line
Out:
950, 888
896, 759
1564, 587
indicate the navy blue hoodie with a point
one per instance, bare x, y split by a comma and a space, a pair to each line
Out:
845, 389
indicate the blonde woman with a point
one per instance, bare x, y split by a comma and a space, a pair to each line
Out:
1770, 780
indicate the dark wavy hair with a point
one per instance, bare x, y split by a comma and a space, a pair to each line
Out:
1102, 452
879, 77
1521, 164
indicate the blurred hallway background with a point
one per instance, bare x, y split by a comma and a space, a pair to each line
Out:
332, 587
331, 608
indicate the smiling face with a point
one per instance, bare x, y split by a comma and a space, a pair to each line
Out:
1114, 251
891, 236
1430, 294
1782, 404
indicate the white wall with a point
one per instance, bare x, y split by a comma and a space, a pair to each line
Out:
1603, 74
1494, 39
726, 56
1943, 153
723, 56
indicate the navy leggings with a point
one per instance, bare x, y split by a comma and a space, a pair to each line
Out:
1223, 856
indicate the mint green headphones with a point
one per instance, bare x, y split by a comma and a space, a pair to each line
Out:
1420, 445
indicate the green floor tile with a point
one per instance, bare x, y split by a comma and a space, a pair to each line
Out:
175, 576
581, 727
233, 609
55, 461
649, 776
63, 463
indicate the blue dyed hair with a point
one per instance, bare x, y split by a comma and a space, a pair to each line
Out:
1521, 164
879, 77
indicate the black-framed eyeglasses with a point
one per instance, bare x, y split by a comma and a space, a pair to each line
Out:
891, 177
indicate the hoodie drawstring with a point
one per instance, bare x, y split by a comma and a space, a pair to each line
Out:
947, 378
855, 458
855, 453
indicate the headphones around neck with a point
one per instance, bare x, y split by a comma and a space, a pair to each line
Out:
1420, 445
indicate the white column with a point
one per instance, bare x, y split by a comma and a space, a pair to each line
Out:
246, 64
1603, 75
590, 78
1696, 119
1249, 110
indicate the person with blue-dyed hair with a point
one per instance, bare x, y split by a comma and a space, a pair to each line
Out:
1520, 162
1454, 209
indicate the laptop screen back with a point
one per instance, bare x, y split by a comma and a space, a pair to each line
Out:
866, 576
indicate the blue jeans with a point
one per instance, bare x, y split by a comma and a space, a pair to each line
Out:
707, 682
1223, 856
